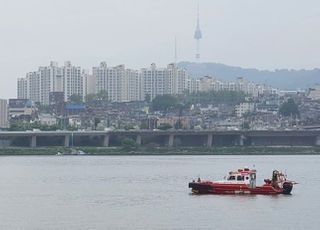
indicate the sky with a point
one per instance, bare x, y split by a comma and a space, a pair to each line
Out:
263, 34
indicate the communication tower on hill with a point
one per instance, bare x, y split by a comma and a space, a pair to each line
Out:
198, 33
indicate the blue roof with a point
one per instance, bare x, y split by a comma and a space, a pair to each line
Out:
76, 106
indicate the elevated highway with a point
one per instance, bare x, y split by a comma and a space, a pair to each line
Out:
168, 138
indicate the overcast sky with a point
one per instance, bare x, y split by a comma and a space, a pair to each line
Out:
264, 34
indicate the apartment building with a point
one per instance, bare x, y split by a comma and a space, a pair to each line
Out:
153, 81
72, 80
111, 80
37, 85
121, 84
89, 83
160, 81
134, 85
209, 83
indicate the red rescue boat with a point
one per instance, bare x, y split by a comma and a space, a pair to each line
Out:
243, 181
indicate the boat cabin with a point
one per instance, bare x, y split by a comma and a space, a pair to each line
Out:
244, 175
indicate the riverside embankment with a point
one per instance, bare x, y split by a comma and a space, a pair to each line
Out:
281, 150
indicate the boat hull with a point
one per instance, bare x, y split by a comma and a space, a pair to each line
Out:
226, 188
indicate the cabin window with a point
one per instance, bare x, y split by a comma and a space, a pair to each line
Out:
247, 178
232, 178
240, 177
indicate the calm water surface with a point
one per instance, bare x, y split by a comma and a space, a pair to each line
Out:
151, 192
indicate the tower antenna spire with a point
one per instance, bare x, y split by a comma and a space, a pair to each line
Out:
198, 16
198, 33
175, 50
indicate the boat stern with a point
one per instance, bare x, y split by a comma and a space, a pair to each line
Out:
200, 188
287, 187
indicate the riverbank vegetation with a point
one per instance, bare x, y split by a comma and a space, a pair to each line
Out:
169, 102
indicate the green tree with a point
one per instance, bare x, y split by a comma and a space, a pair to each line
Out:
289, 108
164, 126
178, 125
147, 98
102, 95
128, 126
91, 97
96, 122
44, 108
144, 125
129, 144
75, 98
246, 125
23, 126
215, 97
164, 102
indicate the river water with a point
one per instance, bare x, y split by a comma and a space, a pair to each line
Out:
151, 192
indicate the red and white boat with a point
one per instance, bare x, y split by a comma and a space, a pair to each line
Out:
243, 181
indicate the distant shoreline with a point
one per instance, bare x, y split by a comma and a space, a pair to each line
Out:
196, 151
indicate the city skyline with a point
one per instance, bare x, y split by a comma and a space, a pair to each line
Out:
75, 31
123, 84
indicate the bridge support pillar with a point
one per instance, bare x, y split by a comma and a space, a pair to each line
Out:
105, 140
210, 140
241, 140
33, 142
171, 140
138, 140
317, 141
66, 140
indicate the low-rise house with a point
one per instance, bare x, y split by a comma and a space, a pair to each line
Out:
314, 93
174, 120
75, 121
47, 119
243, 108
22, 109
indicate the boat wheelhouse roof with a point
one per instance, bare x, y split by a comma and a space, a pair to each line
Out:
243, 171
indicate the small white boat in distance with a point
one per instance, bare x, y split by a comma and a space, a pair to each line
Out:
73, 152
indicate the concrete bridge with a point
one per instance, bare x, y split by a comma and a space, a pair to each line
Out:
209, 138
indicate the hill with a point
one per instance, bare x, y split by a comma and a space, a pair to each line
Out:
283, 78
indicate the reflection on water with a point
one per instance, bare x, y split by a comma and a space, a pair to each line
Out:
151, 192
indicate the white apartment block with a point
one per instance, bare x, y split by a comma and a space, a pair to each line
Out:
134, 85
22, 85
37, 85
33, 86
192, 85
100, 74
89, 84
113, 80
117, 84
72, 80
160, 81
50, 81
121, 84
3, 114
153, 81
176, 79
209, 83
